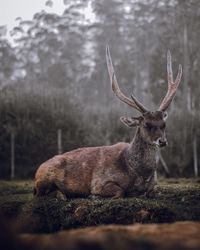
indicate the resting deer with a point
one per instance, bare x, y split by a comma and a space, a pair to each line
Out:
117, 170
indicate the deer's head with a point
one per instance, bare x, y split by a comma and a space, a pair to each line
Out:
151, 124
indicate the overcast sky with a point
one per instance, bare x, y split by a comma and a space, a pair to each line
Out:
11, 9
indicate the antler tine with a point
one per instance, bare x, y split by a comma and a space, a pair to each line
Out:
169, 68
139, 104
172, 86
179, 75
115, 87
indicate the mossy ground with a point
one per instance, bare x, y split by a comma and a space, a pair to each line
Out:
175, 200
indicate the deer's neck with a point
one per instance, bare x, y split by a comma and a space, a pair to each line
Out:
141, 156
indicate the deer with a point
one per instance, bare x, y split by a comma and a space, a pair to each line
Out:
119, 170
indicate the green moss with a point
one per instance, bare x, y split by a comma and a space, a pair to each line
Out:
13, 195
53, 214
174, 201
15, 187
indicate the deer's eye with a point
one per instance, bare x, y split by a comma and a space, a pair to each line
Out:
148, 126
163, 127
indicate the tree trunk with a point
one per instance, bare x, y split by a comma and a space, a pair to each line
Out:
195, 156
160, 158
59, 136
187, 97
12, 143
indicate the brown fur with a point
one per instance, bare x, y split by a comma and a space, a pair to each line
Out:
82, 171
107, 171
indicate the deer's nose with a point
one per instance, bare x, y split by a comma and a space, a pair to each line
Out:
162, 142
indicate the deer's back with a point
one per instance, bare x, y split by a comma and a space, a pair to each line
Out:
79, 170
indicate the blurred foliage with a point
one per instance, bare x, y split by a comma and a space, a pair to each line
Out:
54, 76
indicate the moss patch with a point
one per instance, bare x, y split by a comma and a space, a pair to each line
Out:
174, 201
15, 187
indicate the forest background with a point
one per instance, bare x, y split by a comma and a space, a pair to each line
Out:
55, 94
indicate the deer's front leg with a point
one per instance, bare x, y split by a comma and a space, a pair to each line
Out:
111, 189
150, 185
136, 188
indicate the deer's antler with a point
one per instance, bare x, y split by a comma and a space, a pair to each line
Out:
134, 103
172, 86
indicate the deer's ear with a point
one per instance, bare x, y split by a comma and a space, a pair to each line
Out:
165, 116
131, 121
